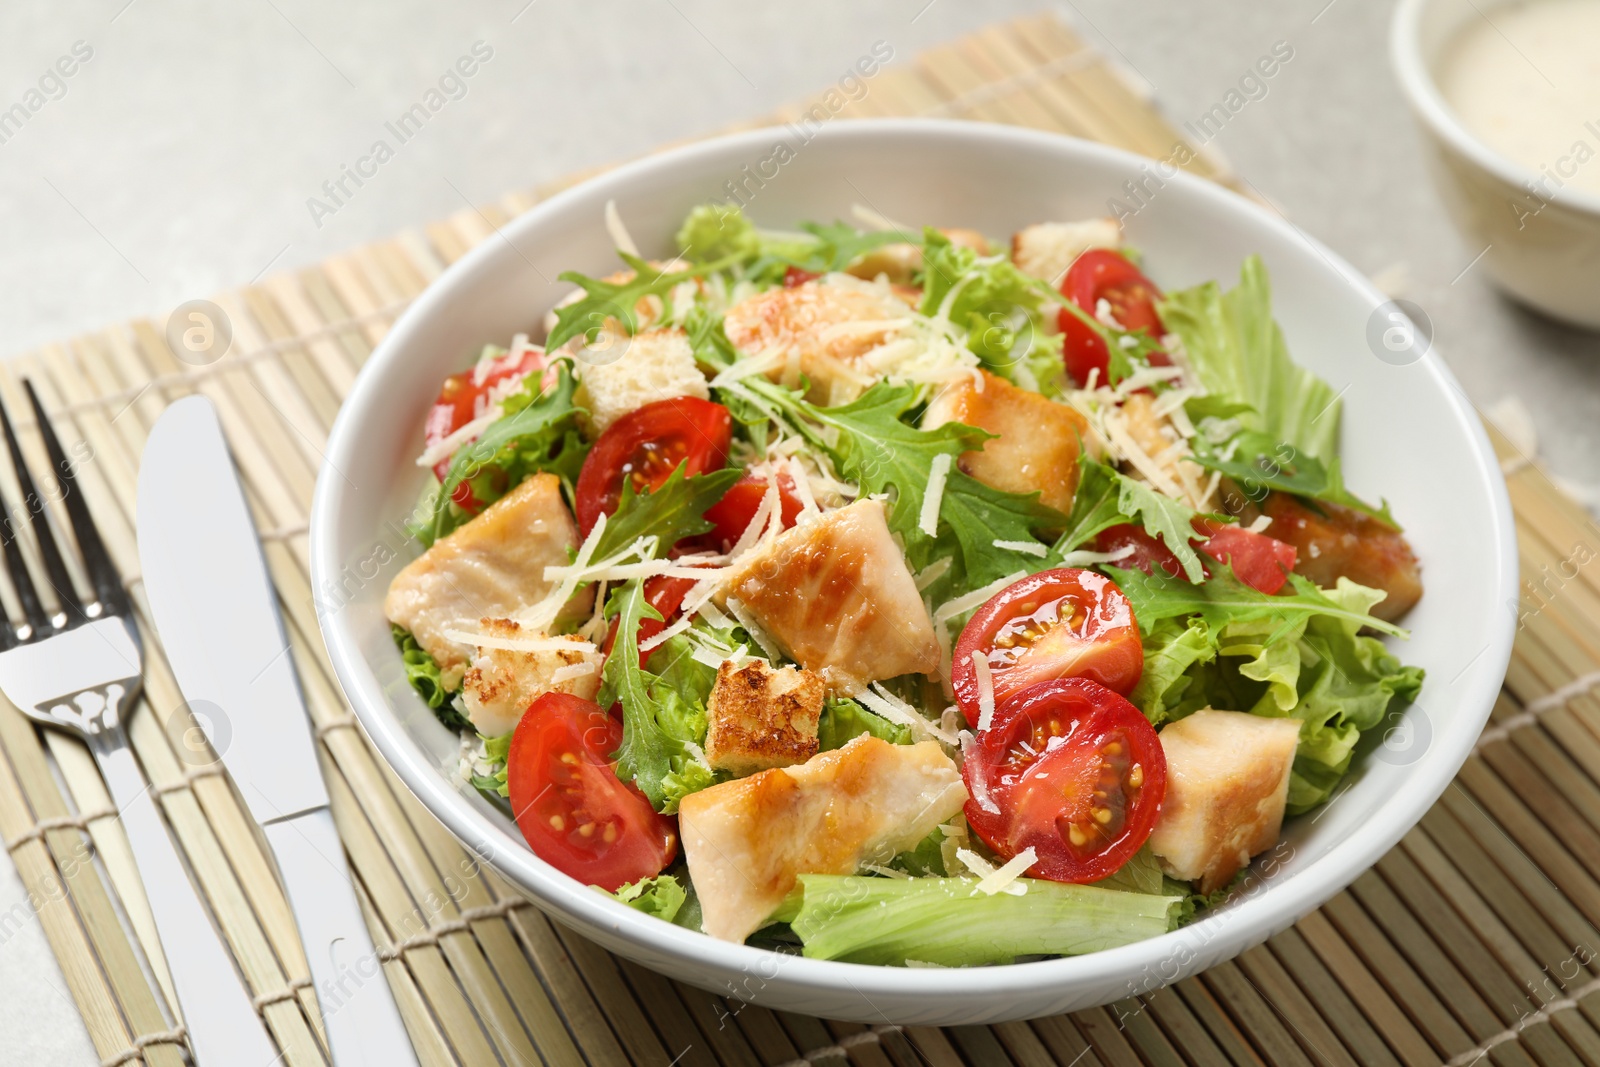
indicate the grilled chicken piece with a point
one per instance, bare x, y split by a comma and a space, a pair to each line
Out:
487, 568
899, 263
759, 718
835, 595
1227, 785
1039, 442
1332, 542
812, 325
501, 683
1046, 249
746, 841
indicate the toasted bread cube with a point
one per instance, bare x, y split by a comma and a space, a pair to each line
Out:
800, 322
624, 374
836, 596
899, 263
1227, 786
1038, 444
1046, 249
489, 567
748, 841
760, 718
500, 684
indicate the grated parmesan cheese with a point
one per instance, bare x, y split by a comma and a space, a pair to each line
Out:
881, 702
963, 604
1005, 879
569, 671
938, 474
932, 573
619, 233
887, 872
980, 665
986, 872
520, 644
1261, 523
1029, 548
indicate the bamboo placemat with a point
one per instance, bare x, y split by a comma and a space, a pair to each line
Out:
1476, 938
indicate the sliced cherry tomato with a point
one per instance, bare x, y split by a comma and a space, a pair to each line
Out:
1059, 623
575, 813
1258, 561
732, 514
665, 593
1101, 274
1148, 552
798, 276
646, 446
461, 399
1071, 770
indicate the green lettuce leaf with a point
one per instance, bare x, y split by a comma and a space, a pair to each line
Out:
1172, 647
672, 511
426, 678
663, 729
995, 303
1108, 498
1256, 463
947, 921
662, 896
844, 720
604, 300
496, 751
1237, 351
717, 231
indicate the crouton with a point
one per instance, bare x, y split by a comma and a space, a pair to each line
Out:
835, 595
747, 842
811, 325
1227, 786
489, 567
760, 718
1039, 440
500, 684
629, 373
1046, 249
899, 263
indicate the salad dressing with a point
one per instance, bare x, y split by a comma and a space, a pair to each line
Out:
1526, 80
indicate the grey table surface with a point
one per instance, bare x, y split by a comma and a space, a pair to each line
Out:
179, 158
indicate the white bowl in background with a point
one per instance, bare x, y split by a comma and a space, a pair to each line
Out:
1409, 436
1544, 251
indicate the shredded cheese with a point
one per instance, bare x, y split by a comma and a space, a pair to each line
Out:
938, 474
980, 666
932, 572
887, 872
539, 643
542, 614
665, 635
986, 872
569, 671
1083, 557
1005, 879
963, 604
446, 446
1261, 523
753, 628
619, 233
881, 702
1030, 548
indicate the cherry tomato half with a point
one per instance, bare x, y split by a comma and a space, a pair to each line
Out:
646, 446
576, 814
1101, 274
1071, 770
663, 592
1059, 623
732, 514
461, 398
1259, 561
798, 276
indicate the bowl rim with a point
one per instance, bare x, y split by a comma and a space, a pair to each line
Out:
1422, 91
1244, 923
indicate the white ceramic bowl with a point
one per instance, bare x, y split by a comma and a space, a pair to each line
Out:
1545, 252
1409, 436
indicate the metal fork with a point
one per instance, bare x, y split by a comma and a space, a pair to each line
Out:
79, 670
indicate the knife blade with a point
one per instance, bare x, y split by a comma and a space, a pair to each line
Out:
216, 611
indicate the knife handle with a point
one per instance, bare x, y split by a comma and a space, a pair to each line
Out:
223, 1027
358, 1012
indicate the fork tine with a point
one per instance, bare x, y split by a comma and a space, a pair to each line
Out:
33, 612
97, 561
55, 569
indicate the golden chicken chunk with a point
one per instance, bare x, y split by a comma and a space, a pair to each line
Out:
1038, 444
747, 841
1332, 542
759, 718
823, 328
1227, 786
487, 568
836, 596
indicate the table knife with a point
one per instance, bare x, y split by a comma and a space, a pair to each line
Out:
216, 611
